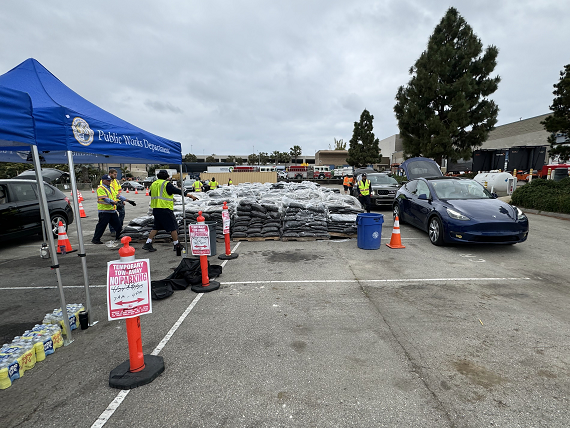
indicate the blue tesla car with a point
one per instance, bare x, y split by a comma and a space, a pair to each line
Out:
454, 209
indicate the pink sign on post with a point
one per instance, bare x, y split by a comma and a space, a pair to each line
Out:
200, 239
128, 289
226, 221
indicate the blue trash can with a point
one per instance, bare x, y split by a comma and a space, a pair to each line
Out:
369, 230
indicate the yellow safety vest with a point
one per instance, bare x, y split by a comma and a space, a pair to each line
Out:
114, 186
197, 186
159, 198
102, 193
364, 187
213, 185
230, 182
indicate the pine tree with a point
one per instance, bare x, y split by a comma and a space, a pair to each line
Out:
558, 124
364, 149
444, 111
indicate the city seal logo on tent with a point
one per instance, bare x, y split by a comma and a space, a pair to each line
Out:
81, 131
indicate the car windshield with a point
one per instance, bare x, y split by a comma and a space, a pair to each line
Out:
382, 179
459, 189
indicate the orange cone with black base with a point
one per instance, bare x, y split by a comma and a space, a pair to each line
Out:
63, 244
82, 211
396, 240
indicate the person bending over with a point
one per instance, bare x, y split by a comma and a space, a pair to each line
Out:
162, 204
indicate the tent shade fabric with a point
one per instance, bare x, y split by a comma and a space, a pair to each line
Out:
67, 122
16, 120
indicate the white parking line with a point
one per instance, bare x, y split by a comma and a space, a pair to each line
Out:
106, 415
315, 281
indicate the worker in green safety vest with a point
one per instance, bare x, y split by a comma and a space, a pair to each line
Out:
364, 190
162, 204
214, 184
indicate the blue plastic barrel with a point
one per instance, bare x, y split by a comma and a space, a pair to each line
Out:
369, 230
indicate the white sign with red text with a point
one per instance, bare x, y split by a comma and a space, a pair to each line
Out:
226, 222
128, 289
200, 239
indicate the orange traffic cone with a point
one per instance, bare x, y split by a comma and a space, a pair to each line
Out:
80, 196
136, 191
395, 240
63, 244
82, 211
92, 191
127, 190
146, 191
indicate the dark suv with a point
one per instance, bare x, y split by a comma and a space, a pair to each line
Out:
20, 208
383, 189
50, 175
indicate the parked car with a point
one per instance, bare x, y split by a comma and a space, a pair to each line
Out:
20, 209
50, 175
188, 184
148, 181
281, 175
131, 185
383, 189
455, 209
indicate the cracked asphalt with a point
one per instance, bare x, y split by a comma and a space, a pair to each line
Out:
311, 334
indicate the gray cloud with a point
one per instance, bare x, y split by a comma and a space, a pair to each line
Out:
272, 75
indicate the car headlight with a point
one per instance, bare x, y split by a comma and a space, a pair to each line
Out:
520, 214
456, 215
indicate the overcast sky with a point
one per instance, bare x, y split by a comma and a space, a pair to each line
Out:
233, 77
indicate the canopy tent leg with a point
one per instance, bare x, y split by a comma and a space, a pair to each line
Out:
184, 212
81, 254
44, 212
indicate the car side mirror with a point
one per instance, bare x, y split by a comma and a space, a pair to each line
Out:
494, 195
423, 197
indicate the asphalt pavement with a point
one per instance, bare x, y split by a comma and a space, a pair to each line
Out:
317, 333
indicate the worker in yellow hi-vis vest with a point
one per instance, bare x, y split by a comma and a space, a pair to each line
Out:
364, 191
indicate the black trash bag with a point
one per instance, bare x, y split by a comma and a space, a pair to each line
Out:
190, 271
160, 289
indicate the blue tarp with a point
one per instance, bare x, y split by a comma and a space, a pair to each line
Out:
16, 120
66, 121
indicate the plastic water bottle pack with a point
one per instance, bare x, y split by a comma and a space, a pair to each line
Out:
24, 351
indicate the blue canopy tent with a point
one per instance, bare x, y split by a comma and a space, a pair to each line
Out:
17, 130
65, 121
71, 129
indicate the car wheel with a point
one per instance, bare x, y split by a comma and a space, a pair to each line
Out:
298, 176
396, 212
321, 176
55, 219
435, 231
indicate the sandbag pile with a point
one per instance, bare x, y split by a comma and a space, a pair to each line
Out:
256, 219
304, 219
342, 212
265, 210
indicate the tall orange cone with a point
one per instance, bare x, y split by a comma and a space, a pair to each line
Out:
147, 192
127, 190
63, 244
92, 190
82, 211
395, 240
136, 191
80, 196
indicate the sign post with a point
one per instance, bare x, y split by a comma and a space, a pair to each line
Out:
128, 297
200, 245
226, 230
